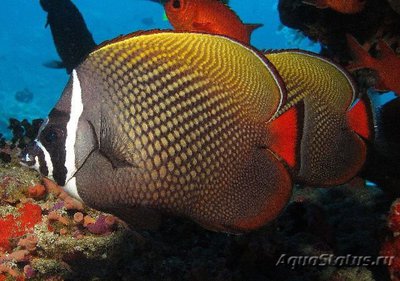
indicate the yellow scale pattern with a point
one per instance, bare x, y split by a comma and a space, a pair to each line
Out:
189, 111
330, 152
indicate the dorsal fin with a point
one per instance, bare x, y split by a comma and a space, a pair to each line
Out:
252, 26
127, 36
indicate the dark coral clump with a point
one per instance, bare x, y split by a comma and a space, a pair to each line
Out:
376, 22
23, 131
330, 27
4, 156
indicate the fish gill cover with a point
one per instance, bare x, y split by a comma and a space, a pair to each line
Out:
47, 235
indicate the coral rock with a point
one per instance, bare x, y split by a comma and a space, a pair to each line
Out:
29, 243
102, 225
37, 191
78, 217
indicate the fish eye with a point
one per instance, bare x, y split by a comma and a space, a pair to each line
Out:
51, 135
176, 4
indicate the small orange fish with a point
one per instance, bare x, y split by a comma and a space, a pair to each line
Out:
209, 16
341, 6
387, 65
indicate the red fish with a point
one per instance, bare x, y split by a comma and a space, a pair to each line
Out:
387, 65
341, 6
209, 16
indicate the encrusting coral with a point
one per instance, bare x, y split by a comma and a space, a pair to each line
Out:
40, 222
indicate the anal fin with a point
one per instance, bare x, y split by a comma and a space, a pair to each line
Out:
202, 26
269, 184
255, 196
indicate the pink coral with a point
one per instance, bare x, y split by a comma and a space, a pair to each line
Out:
103, 225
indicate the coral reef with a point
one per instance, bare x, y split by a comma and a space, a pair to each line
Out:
391, 246
377, 20
40, 237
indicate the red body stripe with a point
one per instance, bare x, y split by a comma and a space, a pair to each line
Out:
360, 119
285, 136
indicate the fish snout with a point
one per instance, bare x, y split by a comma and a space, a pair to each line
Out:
28, 154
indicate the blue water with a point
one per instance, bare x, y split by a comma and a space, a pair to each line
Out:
26, 44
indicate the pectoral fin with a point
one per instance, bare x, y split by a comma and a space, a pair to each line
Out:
113, 146
201, 25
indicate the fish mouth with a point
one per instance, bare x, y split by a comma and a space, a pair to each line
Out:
26, 160
33, 157
29, 156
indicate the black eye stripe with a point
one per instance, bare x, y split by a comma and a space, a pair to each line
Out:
52, 137
42, 164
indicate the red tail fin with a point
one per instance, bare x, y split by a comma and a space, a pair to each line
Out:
361, 120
